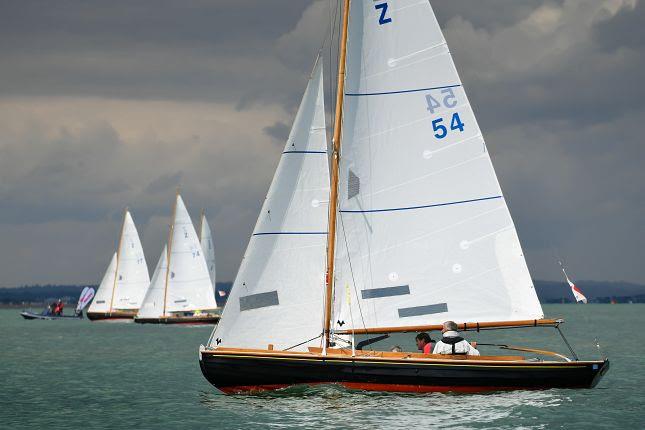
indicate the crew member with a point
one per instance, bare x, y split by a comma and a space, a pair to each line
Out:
452, 342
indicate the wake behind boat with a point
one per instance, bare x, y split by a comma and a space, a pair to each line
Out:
418, 234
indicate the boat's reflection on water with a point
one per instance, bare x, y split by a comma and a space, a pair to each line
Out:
331, 406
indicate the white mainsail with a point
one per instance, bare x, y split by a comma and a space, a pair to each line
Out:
424, 234
132, 271
152, 306
189, 285
101, 302
208, 248
277, 297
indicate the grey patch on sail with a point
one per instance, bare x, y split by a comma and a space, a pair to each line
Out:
423, 310
353, 185
261, 300
181, 301
375, 293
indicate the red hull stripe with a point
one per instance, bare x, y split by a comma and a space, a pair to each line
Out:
368, 386
401, 388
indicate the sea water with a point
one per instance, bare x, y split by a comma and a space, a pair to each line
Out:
79, 374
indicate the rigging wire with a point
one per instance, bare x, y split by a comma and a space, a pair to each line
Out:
351, 270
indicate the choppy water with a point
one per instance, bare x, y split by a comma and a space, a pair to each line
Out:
77, 374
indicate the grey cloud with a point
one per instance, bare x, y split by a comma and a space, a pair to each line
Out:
196, 92
163, 183
278, 131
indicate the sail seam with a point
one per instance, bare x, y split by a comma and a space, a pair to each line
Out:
415, 90
304, 152
423, 206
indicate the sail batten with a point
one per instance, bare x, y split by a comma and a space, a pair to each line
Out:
277, 297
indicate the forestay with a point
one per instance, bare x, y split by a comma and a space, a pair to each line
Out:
189, 285
424, 234
208, 248
101, 302
152, 306
277, 297
132, 271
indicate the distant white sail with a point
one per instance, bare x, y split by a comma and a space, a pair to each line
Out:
132, 271
208, 248
424, 234
152, 306
101, 303
278, 293
189, 284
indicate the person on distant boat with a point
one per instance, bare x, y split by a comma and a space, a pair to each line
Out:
58, 309
452, 343
424, 343
396, 348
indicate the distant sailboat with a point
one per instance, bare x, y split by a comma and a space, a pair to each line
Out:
126, 279
181, 291
577, 293
208, 248
418, 233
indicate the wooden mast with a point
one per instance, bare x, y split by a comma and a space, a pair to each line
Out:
333, 197
168, 251
118, 257
201, 226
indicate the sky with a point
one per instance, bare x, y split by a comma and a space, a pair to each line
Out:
111, 104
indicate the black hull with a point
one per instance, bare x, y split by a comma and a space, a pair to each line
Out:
116, 315
33, 316
241, 372
210, 320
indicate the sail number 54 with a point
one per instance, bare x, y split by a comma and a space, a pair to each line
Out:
441, 130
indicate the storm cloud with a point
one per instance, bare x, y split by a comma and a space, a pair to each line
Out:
111, 104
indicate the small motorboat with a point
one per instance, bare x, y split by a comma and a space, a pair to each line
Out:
50, 314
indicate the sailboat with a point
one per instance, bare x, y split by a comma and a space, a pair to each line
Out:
126, 279
208, 248
181, 290
417, 232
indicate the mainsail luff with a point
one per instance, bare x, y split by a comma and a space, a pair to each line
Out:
404, 106
333, 196
170, 236
118, 255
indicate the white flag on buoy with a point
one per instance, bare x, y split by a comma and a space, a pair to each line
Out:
575, 290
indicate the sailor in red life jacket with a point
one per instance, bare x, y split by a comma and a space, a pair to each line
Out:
452, 342
58, 310
424, 343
